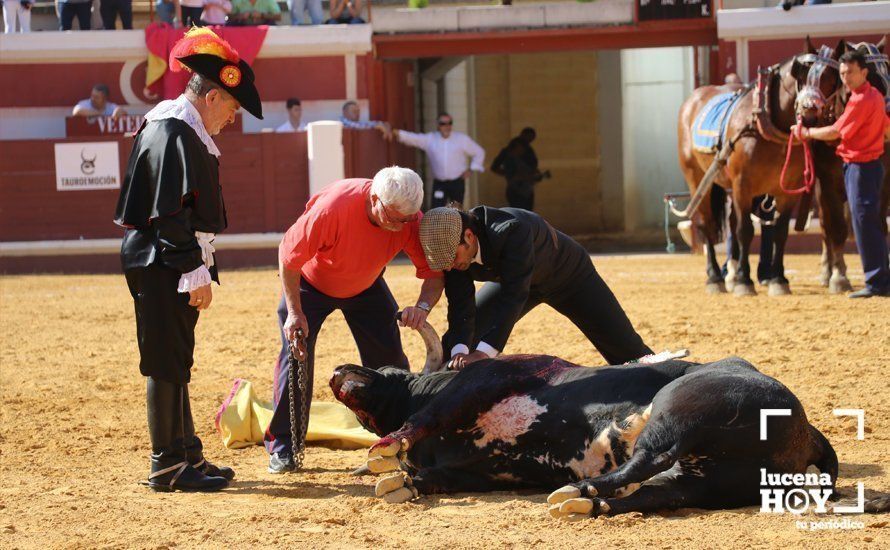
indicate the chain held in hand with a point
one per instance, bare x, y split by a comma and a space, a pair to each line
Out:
298, 384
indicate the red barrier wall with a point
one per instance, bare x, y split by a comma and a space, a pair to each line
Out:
265, 179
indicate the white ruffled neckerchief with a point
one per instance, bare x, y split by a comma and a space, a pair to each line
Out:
182, 109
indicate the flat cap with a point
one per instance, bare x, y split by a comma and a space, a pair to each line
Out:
440, 232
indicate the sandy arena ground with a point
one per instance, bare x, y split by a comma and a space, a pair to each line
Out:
74, 441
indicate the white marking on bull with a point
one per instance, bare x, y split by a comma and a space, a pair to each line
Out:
593, 460
507, 420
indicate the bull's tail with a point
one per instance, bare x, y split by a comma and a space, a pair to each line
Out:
824, 456
718, 210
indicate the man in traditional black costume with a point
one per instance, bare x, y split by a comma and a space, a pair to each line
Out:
172, 206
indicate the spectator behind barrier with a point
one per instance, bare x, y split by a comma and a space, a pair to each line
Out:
294, 117
788, 4
190, 13
111, 9
168, 11
215, 12
346, 12
17, 9
254, 12
350, 119
69, 9
98, 105
299, 7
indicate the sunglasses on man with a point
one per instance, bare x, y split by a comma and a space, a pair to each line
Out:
445, 123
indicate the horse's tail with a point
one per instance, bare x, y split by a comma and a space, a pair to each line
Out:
718, 210
824, 456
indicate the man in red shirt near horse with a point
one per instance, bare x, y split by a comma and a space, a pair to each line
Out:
334, 257
862, 130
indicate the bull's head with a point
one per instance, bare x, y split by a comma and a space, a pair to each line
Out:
380, 399
87, 165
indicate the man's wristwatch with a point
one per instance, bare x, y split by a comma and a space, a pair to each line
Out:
424, 306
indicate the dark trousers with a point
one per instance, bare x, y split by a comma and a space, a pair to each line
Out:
589, 304
191, 16
445, 191
518, 197
371, 316
110, 9
863, 182
68, 11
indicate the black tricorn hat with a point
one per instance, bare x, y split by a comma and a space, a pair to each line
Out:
236, 79
200, 50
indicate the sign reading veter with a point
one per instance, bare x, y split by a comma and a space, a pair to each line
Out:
87, 166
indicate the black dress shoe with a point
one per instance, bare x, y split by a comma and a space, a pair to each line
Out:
281, 463
868, 293
182, 476
212, 470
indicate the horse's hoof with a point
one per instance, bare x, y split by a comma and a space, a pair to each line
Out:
730, 284
824, 280
716, 288
779, 289
744, 289
839, 285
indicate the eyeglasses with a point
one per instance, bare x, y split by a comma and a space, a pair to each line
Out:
392, 219
443, 123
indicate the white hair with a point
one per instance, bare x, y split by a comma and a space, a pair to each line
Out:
399, 188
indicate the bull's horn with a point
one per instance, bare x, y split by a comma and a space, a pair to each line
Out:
433, 349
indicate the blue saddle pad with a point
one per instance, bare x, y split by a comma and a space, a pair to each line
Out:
709, 128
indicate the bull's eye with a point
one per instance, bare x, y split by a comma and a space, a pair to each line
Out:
350, 385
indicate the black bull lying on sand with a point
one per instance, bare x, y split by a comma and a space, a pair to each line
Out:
629, 438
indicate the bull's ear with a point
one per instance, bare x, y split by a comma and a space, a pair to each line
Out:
809, 45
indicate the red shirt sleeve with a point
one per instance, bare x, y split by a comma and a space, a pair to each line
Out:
314, 230
414, 250
852, 120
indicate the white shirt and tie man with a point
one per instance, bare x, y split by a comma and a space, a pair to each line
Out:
453, 155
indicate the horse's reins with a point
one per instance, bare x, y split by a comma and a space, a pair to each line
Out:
810, 92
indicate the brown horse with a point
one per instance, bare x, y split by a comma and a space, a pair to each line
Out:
754, 164
832, 195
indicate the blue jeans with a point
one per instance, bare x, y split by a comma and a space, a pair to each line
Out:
69, 11
371, 316
165, 11
863, 184
299, 7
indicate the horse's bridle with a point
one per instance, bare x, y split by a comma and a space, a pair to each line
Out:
882, 66
810, 96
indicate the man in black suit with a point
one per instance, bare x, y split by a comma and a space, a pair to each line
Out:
525, 262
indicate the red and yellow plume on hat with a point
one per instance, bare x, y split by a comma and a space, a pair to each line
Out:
201, 40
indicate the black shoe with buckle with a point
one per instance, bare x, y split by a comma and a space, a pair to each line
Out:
281, 463
182, 476
209, 469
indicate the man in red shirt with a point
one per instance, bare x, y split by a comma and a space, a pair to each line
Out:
862, 129
334, 257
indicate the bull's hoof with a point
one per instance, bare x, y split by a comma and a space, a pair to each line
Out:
573, 509
563, 494
747, 289
383, 464
387, 446
395, 489
600, 508
716, 288
839, 285
779, 289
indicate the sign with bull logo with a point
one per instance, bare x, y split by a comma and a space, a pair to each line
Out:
87, 166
